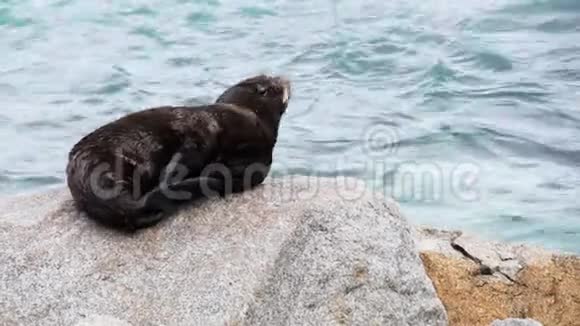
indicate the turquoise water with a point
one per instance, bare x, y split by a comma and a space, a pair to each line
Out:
467, 112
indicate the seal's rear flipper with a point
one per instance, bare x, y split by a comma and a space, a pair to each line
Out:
163, 198
146, 221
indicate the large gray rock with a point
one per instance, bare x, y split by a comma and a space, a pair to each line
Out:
288, 253
99, 320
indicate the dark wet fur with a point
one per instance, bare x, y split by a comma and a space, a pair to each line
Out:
133, 153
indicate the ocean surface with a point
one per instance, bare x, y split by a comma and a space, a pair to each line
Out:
467, 112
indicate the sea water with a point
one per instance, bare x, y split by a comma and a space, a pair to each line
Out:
466, 112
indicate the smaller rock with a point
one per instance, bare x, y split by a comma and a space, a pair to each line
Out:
498, 260
481, 282
516, 322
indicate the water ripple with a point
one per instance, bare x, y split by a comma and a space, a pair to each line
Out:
531, 148
200, 19
22, 181
495, 25
181, 62
560, 25
112, 87
256, 12
4, 120
42, 124
333, 145
116, 82
555, 186
149, 33
139, 11
7, 19
517, 91
488, 60
543, 7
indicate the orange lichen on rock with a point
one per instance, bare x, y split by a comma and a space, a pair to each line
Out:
548, 292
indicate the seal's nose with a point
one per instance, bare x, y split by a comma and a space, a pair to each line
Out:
287, 89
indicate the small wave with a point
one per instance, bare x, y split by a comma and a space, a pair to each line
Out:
200, 19
423, 140
432, 96
333, 145
4, 119
140, 95
40, 180
256, 12
7, 19
115, 111
75, 118
500, 191
542, 7
8, 90
60, 101
517, 91
521, 95
469, 141
525, 165
560, 25
538, 231
93, 101
149, 32
530, 148
180, 62
312, 53
357, 63
117, 82
441, 72
302, 130
572, 75
555, 186
556, 117
515, 218
139, 11
312, 171
495, 25
570, 52
208, 3
383, 46
113, 87
42, 124
432, 38
6, 178
489, 60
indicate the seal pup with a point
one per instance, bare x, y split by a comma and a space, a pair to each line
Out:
130, 173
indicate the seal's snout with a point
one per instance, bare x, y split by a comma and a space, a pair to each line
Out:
284, 83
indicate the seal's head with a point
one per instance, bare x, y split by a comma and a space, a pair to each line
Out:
266, 95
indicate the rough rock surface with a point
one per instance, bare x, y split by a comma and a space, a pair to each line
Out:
291, 252
480, 281
100, 320
516, 322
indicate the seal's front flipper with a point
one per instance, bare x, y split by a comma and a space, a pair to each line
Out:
165, 197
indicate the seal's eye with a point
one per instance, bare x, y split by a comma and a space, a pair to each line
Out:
262, 90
